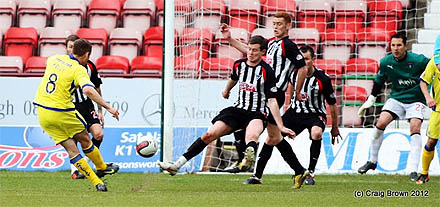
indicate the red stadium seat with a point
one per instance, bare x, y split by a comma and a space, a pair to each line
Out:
305, 36
7, 14
332, 67
113, 65
33, 13
271, 7
96, 37
361, 66
151, 66
181, 10
208, 14
350, 15
20, 42
337, 44
194, 39
69, 14
186, 67
314, 14
222, 47
372, 43
353, 97
52, 41
385, 14
104, 14
153, 41
244, 14
360, 72
36, 64
125, 42
217, 68
138, 14
11, 64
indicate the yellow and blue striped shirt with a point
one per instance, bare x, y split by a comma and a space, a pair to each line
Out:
63, 74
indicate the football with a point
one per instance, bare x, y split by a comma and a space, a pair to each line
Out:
146, 146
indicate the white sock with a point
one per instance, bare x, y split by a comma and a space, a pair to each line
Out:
72, 169
416, 152
180, 162
376, 142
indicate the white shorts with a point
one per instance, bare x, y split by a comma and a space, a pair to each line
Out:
403, 110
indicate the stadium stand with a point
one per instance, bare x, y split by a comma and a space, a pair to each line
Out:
350, 15
222, 47
209, 14
186, 67
20, 42
360, 72
113, 64
314, 14
149, 66
98, 39
7, 14
36, 64
196, 42
217, 67
337, 44
353, 98
33, 13
373, 43
244, 14
52, 41
126, 42
305, 36
265, 32
138, 15
69, 14
104, 14
11, 64
271, 7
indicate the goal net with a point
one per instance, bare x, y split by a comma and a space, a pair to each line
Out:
349, 39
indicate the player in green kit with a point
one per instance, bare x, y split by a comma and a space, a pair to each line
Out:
406, 101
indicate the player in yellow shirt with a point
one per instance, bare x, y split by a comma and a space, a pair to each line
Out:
57, 114
431, 76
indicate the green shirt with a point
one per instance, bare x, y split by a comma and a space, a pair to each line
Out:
404, 76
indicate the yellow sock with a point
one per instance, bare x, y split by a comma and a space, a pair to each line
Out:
80, 163
93, 153
427, 157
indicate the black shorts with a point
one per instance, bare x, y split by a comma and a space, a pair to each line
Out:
299, 122
238, 118
281, 96
87, 110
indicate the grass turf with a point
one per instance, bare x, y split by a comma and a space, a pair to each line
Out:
136, 189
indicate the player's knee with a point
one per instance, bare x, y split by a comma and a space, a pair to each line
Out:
381, 125
273, 140
99, 135
316, 133
431, 143
208, 137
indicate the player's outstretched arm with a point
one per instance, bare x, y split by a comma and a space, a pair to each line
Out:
274, 109
429, 100
94, 95
231, 83
225, 29
289, 94
100, 114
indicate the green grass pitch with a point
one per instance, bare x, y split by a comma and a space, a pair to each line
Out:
137, 189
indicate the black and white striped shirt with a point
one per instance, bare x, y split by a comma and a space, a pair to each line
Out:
317, 88
283, 55
256, 85
79, 96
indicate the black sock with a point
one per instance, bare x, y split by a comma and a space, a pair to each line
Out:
263, 157
193, 150
96, 142
315, 150
240, 143
252, 144
290, 157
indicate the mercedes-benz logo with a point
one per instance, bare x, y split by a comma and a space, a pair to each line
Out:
151, 109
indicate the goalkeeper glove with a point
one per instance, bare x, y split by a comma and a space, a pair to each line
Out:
369, 103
